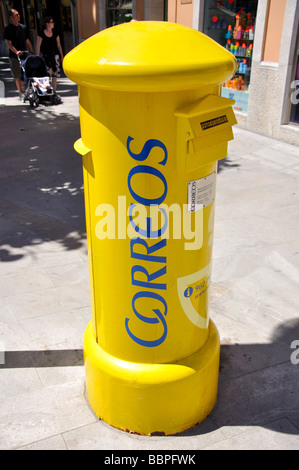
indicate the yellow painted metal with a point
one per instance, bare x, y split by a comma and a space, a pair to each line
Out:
150, 398
153, 127
149, 56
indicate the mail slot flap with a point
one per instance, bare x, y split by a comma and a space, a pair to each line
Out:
204, 157
210, 115
209, 140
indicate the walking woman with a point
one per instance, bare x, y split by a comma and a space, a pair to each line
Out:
48, 43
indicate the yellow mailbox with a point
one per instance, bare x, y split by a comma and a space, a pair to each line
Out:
153, 126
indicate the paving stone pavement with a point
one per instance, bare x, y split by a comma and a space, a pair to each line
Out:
45, 298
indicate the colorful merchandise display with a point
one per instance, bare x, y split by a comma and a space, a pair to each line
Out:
231, 23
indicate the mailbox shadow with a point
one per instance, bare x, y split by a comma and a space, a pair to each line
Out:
258, 385
255, 387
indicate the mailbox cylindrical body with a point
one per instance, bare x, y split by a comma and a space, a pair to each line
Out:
152, 129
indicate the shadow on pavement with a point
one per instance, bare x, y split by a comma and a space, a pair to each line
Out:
251, 392
226, 164
41, 181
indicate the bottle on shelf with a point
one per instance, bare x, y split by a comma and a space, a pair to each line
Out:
229, 32
236, 26
214, 20
249, 50
243, 66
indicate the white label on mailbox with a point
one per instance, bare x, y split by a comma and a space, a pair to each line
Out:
201, 193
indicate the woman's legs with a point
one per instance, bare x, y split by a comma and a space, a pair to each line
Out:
54, 83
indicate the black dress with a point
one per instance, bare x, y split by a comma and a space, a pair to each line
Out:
50, 53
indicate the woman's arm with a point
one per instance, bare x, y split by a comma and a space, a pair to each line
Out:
59, 47
29, 45
38, 44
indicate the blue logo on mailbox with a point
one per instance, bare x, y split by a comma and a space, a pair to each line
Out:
188, 292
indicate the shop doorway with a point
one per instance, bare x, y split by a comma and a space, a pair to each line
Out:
64, 14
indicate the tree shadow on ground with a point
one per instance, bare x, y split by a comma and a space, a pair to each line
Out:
41, 190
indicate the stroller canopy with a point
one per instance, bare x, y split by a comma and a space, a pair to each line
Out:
35, 66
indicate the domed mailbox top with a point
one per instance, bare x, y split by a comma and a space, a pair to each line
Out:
150, 56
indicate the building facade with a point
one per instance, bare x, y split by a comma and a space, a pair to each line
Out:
262, 34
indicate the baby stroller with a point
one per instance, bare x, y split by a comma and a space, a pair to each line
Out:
38, 83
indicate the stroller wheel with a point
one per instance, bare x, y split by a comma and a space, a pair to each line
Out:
56, 99
34, 101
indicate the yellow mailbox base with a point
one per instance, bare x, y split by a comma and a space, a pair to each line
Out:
152, 399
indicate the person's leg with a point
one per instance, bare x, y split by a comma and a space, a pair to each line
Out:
56, 74
16, 74
20, 85
54, 83
53, 77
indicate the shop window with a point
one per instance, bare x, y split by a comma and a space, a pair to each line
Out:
231, 23
118, 11
294, 117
